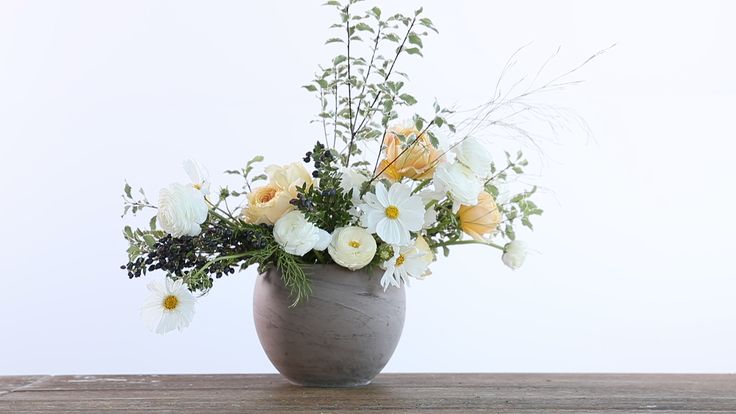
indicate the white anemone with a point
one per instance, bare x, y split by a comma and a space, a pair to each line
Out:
392, 214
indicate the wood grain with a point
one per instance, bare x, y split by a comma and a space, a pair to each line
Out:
425, 393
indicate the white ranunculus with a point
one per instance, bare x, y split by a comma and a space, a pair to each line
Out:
181, 210
352, 179
352, 247
459, 182
514, 254
297, 236
199, 175
474, 155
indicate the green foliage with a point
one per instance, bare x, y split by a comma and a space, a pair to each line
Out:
328, 206
132, 203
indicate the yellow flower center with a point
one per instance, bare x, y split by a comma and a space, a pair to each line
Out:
354, 244
170, 302
197, 186
392, 212
400, 260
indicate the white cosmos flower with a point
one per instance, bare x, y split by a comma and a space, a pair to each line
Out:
352, 179
170, 306
408, 261
514, 254
352, 247
297, 236
474, 155
460, 182
199, 175
181, 210
392, 214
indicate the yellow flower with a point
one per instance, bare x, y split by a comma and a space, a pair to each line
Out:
480, 219
417, 163
423, 248
269, 203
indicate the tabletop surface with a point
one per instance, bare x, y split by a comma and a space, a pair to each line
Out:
422, 393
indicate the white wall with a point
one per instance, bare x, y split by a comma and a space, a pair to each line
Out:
634, 270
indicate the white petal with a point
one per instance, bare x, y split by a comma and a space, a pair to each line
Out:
390, 231
382, 195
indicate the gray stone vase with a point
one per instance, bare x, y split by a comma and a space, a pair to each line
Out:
342, 336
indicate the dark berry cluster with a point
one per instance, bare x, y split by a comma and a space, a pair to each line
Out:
181, 255
323, 160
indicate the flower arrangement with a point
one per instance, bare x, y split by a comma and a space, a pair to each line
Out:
434, 183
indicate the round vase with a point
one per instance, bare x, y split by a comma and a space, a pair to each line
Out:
341, 336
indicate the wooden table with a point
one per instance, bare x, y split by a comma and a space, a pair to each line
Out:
424, 393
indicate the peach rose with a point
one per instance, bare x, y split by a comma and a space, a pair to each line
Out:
269, 203
480, 219
417, 163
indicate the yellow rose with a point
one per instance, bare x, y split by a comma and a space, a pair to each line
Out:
417, 163
480, 219
269, 203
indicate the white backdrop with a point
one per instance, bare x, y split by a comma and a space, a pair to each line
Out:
634, 270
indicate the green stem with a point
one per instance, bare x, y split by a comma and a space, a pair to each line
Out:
457, 242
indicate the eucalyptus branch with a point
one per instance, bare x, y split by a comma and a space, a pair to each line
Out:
367, 75
388, 74
350, 88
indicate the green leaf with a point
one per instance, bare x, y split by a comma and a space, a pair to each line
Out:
414, 51
410, 100
152, 223
415, 39
260, 177
310, 88
510, 233
334, 40
127, 190
439, 121
150, 241
364, 27
377, 12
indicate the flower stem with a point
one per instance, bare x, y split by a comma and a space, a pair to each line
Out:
457, 242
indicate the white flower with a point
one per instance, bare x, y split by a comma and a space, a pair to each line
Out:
298, 236
408, 261
352, 179
514, 254
460, 182
199, 175
430, 218
474, 155
181, 210
170, 306
352, 247
392, 214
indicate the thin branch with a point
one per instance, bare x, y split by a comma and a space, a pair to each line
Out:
350, 89
390, 69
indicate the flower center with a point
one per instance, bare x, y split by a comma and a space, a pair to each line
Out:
400, 260
392, 212
197, 186
267, 195
354, 244
170, 302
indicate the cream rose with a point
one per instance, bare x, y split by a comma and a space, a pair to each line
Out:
352, 247
418, 162
269, 203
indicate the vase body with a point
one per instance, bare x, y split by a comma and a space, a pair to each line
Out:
341, 336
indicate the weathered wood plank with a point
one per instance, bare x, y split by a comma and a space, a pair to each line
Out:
8, 384
444, 393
